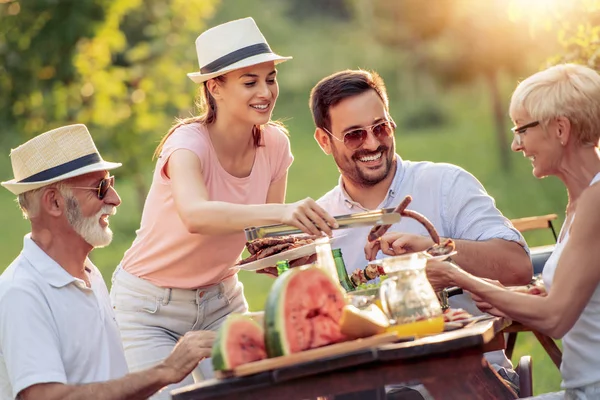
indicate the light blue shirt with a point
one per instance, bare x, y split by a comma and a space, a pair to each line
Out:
53, 328
451, 198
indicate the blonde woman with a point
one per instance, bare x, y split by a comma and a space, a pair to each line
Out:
556, 114
216, 174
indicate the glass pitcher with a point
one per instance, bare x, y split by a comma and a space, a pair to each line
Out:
407, 297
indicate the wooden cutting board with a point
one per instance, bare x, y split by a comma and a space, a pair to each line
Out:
309, 355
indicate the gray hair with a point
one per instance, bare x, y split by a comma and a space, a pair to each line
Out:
29, 202
567, 90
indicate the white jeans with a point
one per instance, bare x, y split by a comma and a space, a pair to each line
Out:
152, 319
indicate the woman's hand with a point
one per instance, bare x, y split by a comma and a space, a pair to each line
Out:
397, 243
483, 305
441, 274
308, 216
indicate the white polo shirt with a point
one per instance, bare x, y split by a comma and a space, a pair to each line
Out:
52, 327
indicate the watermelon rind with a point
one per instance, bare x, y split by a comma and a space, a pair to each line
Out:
274, 320
219, 353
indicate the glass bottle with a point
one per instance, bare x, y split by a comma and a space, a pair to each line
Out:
341, 271
282, 266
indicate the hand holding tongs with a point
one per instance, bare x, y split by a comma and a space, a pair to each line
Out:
384, 216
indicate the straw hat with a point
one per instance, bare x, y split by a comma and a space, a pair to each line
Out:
229, 46
53, 156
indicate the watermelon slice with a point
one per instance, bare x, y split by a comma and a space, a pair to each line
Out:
240, 340
303, 312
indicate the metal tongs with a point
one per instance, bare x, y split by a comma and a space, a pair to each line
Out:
384, 216
445, 294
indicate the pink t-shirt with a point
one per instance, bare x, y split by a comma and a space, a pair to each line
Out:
164, 252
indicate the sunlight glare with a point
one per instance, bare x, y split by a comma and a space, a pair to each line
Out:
536, 8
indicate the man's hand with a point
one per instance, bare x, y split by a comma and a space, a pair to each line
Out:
397, 243
188, 352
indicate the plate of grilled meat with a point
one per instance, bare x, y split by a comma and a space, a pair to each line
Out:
265, 252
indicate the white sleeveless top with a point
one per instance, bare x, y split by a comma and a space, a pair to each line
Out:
581, 345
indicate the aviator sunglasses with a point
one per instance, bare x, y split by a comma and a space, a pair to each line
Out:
354, 138
103, 187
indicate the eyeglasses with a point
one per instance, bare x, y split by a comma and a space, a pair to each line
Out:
356, 137
103, 187
521, 130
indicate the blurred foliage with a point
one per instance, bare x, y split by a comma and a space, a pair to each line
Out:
577, 23
455, 42
117, 66
307, 9
38, 42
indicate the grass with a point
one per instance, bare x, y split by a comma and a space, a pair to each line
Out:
466, 140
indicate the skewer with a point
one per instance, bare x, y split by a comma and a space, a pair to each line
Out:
372, 271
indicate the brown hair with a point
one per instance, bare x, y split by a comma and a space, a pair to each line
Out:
334, 88
208, 115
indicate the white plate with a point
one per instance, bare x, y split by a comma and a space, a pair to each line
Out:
294, 254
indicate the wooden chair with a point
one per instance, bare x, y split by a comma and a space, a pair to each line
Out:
539, 256
539, 222
524, 369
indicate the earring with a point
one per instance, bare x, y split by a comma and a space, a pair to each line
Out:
562, 143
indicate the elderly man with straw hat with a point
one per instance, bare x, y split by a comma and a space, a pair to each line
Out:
58, 334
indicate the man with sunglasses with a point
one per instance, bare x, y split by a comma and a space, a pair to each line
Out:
351, 113
58, 334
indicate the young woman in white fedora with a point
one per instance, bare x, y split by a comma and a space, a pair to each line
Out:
216, 174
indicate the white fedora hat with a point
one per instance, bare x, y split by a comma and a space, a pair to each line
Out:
53, 156
229, 46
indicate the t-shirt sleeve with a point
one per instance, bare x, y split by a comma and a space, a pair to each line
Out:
184, 137
278, 146
28, 340
471, 214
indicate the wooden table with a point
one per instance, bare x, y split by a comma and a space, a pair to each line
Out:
450, 365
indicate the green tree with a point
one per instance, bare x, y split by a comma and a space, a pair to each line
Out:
577, 27
457, 42
38, 41
118, 66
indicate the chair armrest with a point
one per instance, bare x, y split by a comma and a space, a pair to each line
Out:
531, 223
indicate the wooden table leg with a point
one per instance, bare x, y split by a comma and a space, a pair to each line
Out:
551, 348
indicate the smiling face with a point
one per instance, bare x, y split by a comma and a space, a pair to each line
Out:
370, 163
86, 213
248, 94
541, 144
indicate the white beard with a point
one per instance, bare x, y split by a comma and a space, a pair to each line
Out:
89, 228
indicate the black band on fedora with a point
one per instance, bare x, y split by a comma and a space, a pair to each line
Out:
63, 168
235, 56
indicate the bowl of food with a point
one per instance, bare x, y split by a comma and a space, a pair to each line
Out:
366, 293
